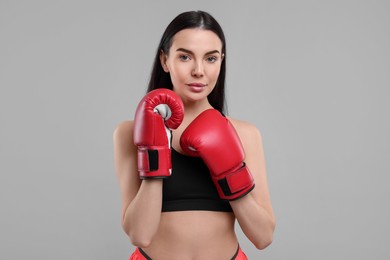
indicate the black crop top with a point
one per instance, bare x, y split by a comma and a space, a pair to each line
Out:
190, 187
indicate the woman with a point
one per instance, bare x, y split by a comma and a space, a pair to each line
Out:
187, 214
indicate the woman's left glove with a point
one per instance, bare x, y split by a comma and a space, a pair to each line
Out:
212, 137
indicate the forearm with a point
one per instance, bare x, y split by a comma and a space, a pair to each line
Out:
142, 217
255, 221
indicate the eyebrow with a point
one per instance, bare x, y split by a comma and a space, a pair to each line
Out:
190, 52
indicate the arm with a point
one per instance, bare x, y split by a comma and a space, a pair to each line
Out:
142, 150
234, 155
141, 200
254, 212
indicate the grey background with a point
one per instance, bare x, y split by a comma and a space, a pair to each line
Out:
313, 76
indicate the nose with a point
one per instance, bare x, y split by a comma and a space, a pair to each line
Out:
198, 70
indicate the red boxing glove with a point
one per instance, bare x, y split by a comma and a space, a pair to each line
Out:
158, 112
212, 137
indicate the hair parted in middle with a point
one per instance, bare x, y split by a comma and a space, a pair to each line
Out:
189, 20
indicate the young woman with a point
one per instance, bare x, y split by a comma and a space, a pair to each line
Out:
218, 168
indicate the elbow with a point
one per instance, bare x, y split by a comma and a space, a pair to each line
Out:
140, 241
140, 234
139, 238
263, 243
265, 239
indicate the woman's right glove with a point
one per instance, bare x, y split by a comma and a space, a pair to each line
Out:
158, 112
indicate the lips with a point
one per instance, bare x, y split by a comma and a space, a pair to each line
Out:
196, 87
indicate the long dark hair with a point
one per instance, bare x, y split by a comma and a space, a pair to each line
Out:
193, 19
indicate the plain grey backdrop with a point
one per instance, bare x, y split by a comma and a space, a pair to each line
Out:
313, 76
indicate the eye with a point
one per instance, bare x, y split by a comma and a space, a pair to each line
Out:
212, 59
184, 57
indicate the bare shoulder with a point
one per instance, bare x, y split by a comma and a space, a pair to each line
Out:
123, 128
123, 131
247, 132
123, 137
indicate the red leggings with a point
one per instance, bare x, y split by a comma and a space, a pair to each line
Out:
139, 254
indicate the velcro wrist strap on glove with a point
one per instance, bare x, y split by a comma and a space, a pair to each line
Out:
154, 162
236, 184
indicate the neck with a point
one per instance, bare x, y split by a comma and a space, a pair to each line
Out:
193, 109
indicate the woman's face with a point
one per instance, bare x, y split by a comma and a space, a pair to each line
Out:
193, 62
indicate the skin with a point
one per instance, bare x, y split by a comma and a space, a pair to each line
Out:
194, 57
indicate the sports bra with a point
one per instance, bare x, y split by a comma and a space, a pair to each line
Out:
190, 187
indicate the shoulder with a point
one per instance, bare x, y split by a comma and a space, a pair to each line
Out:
247, 131
123, 130
123, 136
250, 137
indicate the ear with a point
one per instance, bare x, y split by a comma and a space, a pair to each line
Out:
163, 60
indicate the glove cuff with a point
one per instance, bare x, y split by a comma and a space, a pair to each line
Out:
154, 162
235, 184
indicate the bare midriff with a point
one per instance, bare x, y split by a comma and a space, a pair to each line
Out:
192, 235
